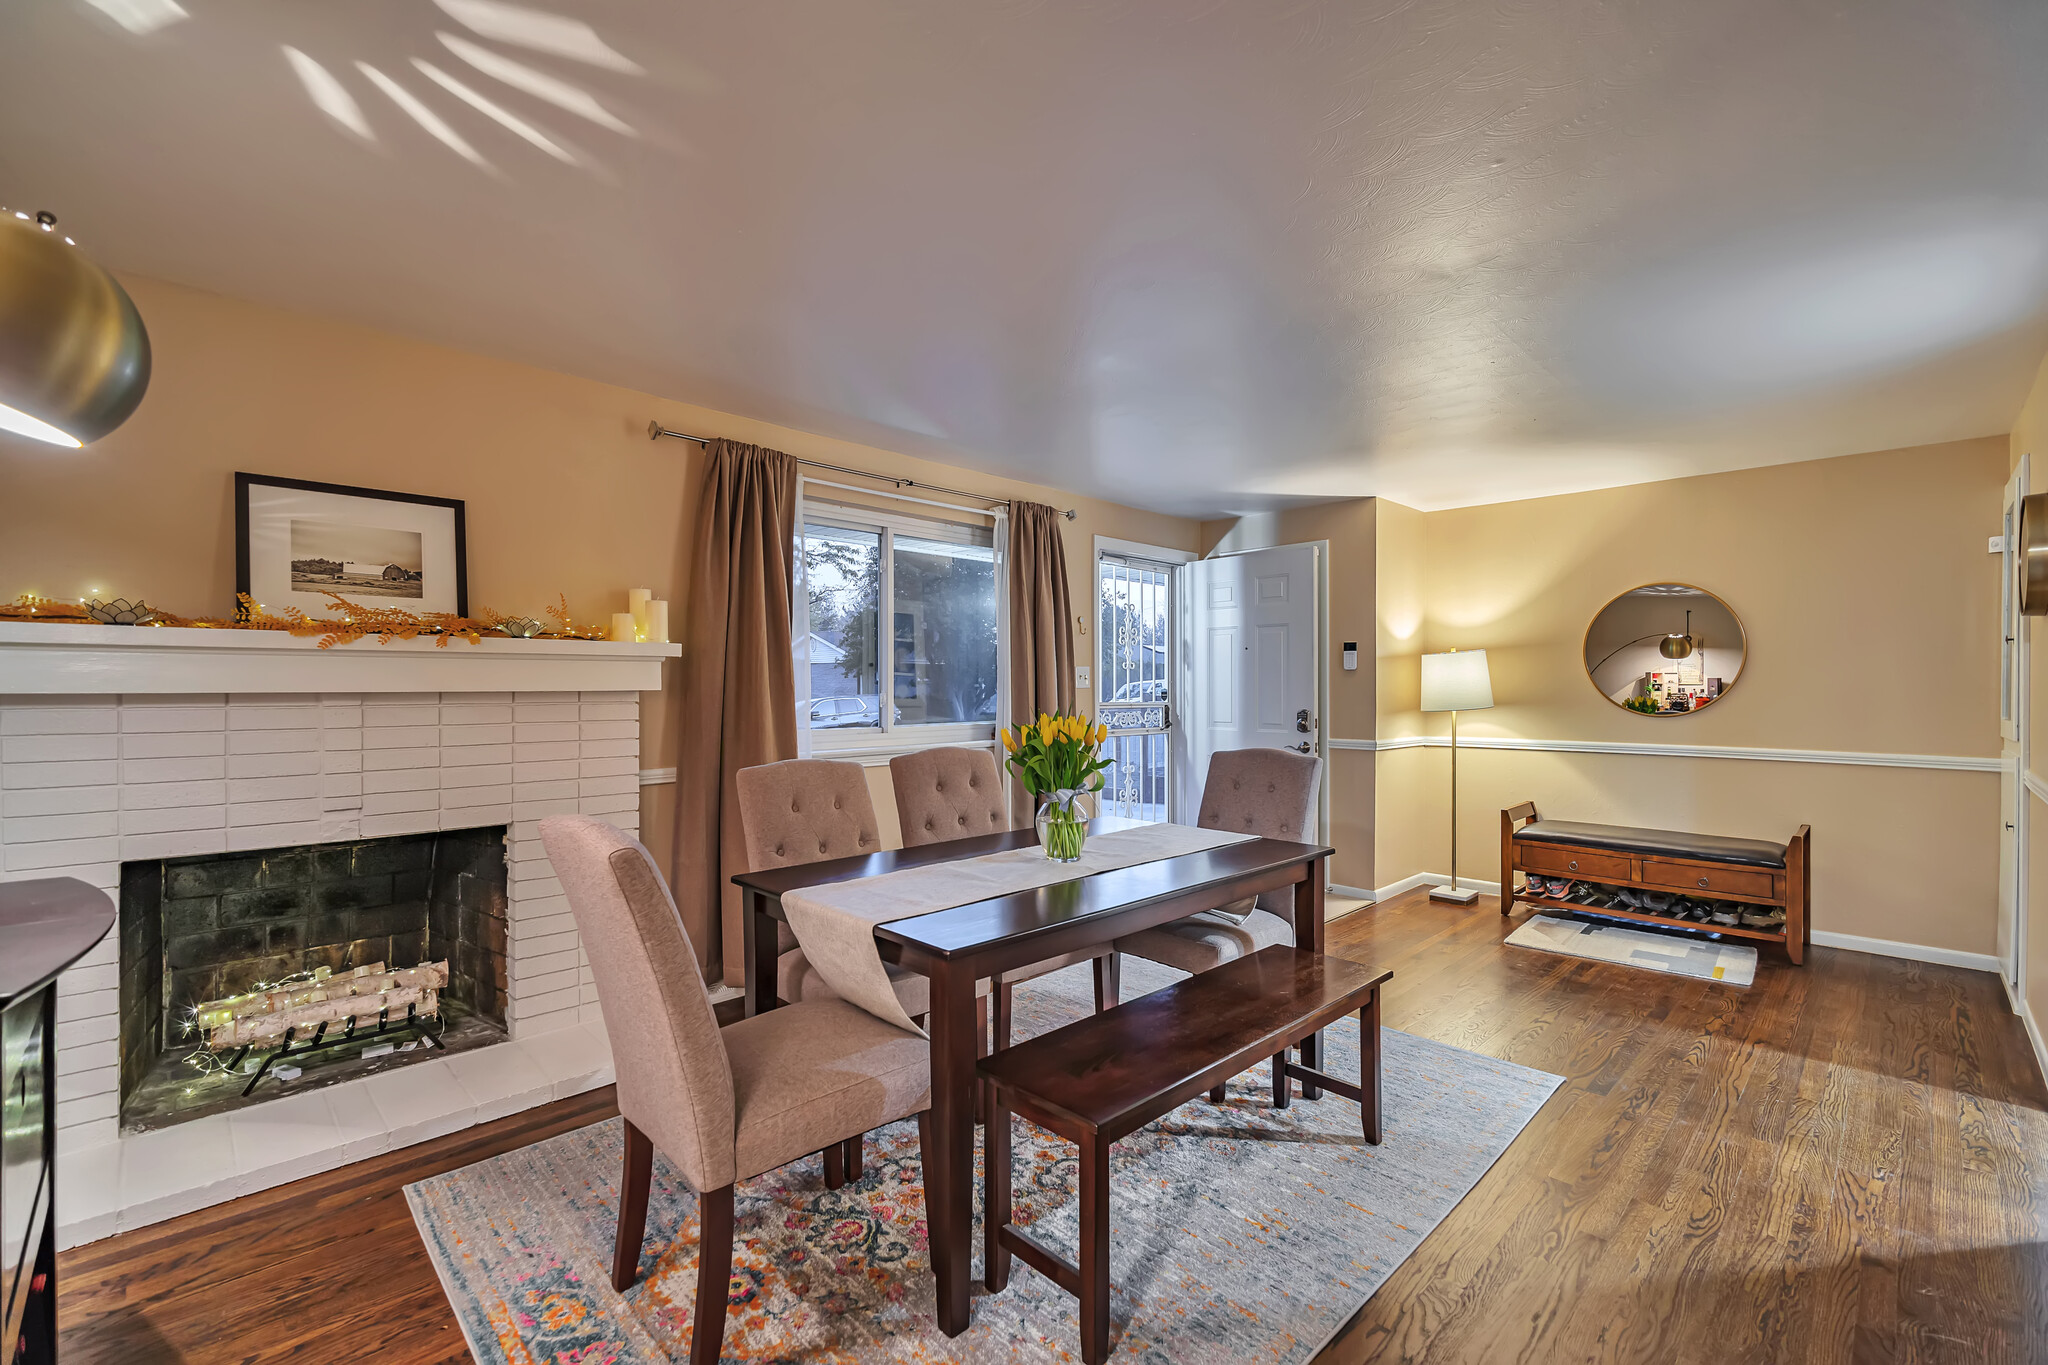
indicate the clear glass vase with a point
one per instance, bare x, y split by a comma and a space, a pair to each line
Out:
1062, 829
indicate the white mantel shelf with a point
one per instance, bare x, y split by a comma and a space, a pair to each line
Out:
70, 660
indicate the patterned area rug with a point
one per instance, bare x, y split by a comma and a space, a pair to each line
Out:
1240, 1234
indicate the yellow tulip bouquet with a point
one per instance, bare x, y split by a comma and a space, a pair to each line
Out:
1058, 760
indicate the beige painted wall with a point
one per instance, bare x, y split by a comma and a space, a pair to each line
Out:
565, 492
1871, 609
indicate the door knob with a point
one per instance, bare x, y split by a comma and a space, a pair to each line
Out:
1302, 748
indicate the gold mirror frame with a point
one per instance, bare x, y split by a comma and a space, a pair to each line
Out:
1680, 591
2031, 555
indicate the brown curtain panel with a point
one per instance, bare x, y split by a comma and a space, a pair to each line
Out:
739, 685
1041, 627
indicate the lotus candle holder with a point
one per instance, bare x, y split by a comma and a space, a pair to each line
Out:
121, 612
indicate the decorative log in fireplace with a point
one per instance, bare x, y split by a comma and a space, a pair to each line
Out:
318, 1001
321, 998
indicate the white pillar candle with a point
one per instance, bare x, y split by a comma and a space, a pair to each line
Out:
657, 622
622, 627
636, 603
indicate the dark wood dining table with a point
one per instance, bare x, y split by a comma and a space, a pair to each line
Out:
956, 948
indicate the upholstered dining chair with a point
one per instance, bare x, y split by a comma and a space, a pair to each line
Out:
946, 794
1267, 792
723, 1104
808, 810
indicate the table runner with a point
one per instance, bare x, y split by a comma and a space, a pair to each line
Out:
836, 922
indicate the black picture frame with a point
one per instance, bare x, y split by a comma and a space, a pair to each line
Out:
245, 481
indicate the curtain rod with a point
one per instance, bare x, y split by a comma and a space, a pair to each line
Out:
655, 431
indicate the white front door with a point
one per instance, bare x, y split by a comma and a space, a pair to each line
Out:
1248, 659
2013, 806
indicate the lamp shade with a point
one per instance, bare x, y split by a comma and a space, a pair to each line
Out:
1457, 681
74, 358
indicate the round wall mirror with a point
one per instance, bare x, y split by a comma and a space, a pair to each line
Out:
1665, 649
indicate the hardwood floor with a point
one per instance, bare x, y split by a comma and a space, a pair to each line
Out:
1839, 1163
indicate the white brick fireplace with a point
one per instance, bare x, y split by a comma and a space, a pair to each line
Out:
123, 744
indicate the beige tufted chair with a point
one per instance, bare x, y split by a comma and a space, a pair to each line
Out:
723, 1104
806, 811
946, 794
1267, 792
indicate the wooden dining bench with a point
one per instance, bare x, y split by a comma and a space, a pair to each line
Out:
1109, 1075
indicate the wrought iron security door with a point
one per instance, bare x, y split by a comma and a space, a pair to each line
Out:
1136, 616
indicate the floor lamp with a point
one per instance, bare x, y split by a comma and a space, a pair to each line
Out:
1455, 682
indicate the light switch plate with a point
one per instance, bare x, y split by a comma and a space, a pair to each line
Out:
1080, 677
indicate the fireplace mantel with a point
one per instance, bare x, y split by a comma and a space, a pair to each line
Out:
52, 659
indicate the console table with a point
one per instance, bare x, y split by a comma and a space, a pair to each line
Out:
1704, 866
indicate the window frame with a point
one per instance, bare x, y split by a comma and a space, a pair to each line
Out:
891, 739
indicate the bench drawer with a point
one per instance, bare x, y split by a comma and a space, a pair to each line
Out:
1571, 862
1727, 881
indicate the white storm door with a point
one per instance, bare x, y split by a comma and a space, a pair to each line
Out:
1246, 656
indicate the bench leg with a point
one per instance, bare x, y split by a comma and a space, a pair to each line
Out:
995, 1194
1108, 981
835, 1165
1312, 1057
1369, 1068
1094, 1250
1216, 1095
1005, 997
981, 1050
853, 1147
1283, 1089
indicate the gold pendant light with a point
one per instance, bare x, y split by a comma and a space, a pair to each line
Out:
74, 358
1678, 646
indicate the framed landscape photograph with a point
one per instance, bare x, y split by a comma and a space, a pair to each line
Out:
297, 541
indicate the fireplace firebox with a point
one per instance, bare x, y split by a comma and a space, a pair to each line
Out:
199, 929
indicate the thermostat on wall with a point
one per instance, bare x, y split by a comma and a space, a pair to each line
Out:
1351, 656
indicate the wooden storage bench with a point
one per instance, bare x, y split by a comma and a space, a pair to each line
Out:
1703, 866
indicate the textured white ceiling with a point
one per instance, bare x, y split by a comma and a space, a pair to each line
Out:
1194, 257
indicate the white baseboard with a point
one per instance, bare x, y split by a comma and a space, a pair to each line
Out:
2033, 1036
1361, 893
1912, 952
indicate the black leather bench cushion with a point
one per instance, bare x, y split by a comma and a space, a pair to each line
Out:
1706, 848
